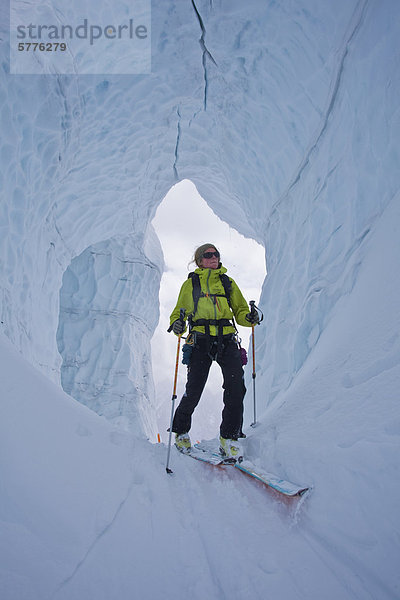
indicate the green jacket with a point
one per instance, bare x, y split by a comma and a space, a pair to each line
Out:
211, 307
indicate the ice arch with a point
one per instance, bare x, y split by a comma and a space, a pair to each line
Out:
285, 116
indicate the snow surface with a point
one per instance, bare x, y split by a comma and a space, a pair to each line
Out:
286, 118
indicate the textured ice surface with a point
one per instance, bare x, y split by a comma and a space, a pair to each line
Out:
105, 329
285, 116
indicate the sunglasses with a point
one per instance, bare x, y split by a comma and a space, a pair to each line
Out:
210, 254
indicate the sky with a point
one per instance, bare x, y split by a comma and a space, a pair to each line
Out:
245, 260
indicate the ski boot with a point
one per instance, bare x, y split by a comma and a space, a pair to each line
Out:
182, 442
230, 449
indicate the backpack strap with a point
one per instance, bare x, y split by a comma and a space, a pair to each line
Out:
227, 284
196, 289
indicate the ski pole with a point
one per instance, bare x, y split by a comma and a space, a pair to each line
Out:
182, 318
254, 423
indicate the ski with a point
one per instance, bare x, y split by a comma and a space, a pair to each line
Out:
287, 488
282, 486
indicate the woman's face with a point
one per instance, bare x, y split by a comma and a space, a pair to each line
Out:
210, 263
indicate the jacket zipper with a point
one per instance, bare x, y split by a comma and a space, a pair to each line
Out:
209, 292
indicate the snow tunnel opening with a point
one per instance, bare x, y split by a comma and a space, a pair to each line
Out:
180, 209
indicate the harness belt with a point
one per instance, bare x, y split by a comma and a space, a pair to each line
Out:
219, 323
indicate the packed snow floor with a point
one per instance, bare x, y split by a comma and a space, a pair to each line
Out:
88, 511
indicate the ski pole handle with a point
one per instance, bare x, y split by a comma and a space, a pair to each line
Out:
182, 313
254, 310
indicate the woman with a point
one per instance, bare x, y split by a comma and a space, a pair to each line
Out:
211, 299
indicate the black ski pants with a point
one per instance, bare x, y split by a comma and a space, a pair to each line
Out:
228, 357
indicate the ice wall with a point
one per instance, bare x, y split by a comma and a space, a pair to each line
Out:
317, 228
284, 115
105, 328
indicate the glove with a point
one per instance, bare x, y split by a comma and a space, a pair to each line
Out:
253, 317
178, 327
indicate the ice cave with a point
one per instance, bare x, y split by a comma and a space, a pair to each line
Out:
285, 116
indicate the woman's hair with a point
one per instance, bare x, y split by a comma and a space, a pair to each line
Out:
198, 254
